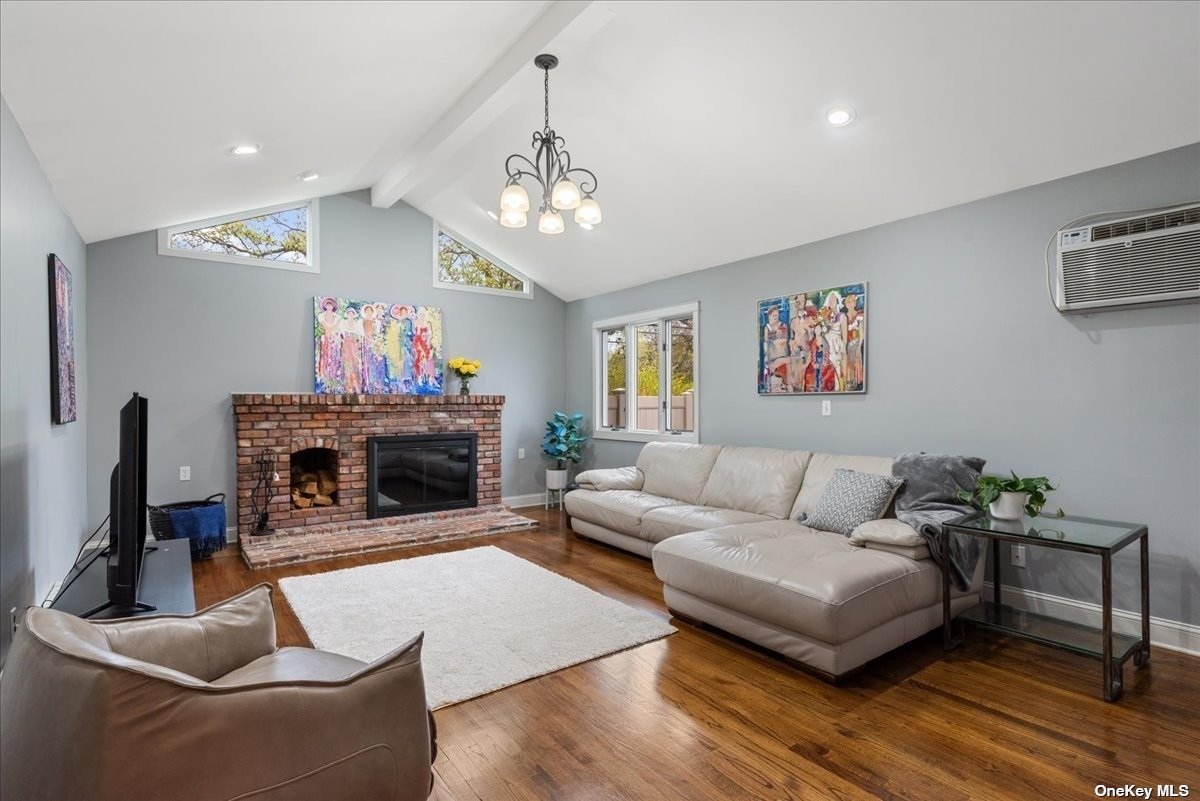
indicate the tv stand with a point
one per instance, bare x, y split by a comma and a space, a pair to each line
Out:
132, 609
165, 587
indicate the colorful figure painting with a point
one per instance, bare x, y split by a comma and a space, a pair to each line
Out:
813, 342
62, 343
370, 348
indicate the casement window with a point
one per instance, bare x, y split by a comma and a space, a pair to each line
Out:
647, 378
283, 237
459, 264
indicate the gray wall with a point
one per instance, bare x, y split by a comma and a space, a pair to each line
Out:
43, 473
968, 355
186, 333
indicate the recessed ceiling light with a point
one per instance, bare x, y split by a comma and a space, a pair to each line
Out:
839, 116
310, 175
492, 214
245, 150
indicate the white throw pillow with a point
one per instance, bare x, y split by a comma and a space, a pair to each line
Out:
887, 531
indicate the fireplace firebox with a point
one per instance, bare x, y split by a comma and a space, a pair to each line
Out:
420, 473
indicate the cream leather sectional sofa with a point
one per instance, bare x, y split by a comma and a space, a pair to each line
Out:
720, 524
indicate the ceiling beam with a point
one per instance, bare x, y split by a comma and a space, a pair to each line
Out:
480, 105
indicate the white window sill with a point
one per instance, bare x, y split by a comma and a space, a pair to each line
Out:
645, 436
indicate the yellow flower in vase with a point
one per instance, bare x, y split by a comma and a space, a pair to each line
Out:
465, 369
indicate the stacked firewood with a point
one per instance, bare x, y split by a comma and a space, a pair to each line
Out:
317, 488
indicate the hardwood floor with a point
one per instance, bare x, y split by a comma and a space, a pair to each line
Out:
700, 716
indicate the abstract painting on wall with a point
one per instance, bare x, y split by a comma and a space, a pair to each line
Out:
369, 348
62, 343
813, 342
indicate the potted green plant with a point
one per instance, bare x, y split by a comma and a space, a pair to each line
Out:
563, 443
1009, 498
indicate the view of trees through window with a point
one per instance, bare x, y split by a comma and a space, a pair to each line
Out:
277, 236
459, 264
649, 349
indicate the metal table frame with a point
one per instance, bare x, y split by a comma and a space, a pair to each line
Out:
1113, 664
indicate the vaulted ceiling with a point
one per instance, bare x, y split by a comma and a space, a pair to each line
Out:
702, 120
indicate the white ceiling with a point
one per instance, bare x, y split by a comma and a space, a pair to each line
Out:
703, 121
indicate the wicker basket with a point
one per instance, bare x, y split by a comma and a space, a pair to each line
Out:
160, 516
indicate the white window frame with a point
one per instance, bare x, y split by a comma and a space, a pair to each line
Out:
313, 266
630, 322
526, 293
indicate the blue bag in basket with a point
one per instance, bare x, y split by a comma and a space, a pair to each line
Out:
203, 525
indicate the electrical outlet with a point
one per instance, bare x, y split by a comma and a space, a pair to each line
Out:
14, 620
185, 472
826, 408
1018, 555
520, 453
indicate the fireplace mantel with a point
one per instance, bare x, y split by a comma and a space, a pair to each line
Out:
284, 423
313, 399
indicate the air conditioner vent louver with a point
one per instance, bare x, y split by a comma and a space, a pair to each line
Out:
1149, 267
1150, 258
1141, 225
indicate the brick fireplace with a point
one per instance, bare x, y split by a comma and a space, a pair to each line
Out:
318, 445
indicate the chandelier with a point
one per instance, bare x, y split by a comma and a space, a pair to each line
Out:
551, 168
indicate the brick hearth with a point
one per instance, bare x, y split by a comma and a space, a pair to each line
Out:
287, 423
331, 540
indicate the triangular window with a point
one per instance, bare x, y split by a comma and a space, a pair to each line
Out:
461, 265
280, 236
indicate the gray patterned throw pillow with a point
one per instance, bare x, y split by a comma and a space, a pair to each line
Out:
852, 498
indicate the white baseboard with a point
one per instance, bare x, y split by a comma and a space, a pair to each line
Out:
1169, 634
518, 501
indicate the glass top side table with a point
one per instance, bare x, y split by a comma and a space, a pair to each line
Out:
1084, 534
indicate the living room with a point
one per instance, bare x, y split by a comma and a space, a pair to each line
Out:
808, 408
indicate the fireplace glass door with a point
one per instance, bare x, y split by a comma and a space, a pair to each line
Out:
420, 473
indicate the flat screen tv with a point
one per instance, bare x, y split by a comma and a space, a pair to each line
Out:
127, 512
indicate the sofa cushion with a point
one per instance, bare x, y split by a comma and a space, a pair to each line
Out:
888, 531
820, 470
626, 478
760, 480
811, 582
676, 469
909, 551
851, 498
670, 521
616, 510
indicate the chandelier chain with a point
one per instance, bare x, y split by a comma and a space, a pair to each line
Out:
546, 89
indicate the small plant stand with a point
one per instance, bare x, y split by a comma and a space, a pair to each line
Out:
554, 496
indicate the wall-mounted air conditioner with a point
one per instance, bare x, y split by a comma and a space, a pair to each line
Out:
1123, 260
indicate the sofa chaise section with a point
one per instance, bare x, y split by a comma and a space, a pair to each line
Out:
810, 595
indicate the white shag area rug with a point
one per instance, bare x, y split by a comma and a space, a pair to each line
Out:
490, 619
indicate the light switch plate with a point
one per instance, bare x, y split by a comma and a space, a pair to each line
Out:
185, 472
826, 408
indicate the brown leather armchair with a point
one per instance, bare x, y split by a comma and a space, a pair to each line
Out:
205, 707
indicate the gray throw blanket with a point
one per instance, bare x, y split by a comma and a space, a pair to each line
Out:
929, 498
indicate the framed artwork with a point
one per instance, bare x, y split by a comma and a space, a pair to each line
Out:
813, 343
62, 343
374, 348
